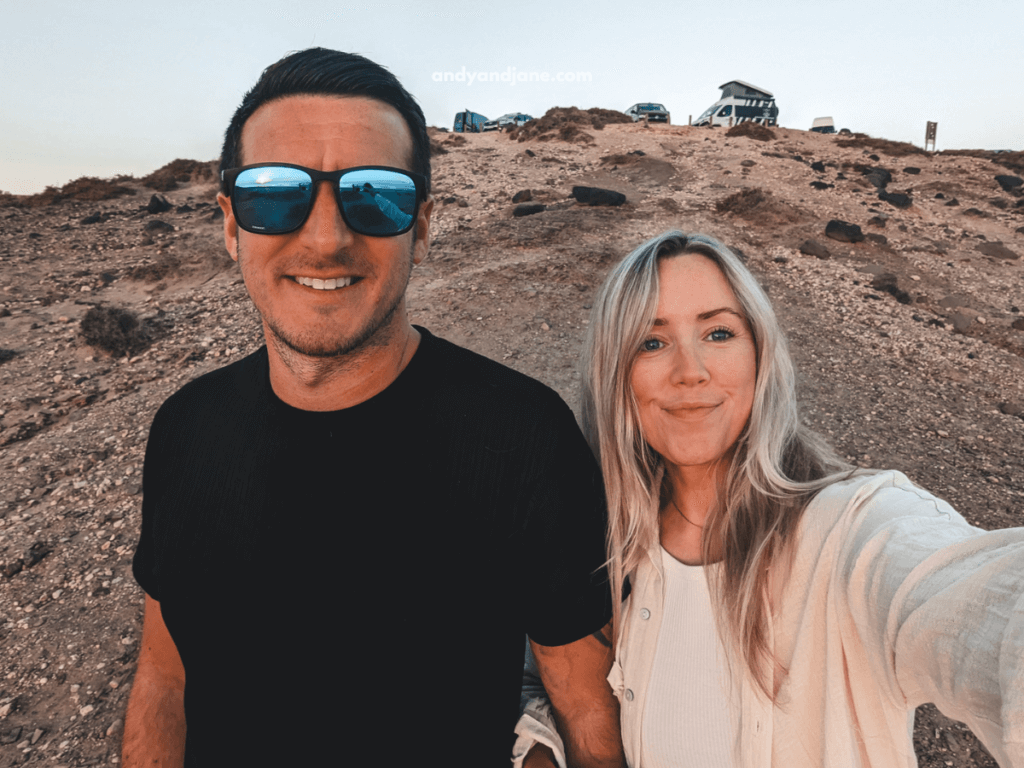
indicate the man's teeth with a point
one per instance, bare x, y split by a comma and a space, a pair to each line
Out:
324, 285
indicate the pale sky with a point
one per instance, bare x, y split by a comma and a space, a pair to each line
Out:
100, 87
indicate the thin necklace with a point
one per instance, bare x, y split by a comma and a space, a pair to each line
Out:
673, 503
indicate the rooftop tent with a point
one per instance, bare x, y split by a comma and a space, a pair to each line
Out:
743, 90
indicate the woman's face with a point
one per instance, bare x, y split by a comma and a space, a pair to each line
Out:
694, 375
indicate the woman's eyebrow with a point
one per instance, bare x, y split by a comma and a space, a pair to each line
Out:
712, 312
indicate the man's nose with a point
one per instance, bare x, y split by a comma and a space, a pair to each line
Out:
688, 366
325, 228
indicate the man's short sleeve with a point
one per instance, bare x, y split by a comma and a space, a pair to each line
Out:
566, 592
143, 564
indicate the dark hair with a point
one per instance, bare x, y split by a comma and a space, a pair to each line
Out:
317, 71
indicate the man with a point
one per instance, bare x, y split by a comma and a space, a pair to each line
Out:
346, 534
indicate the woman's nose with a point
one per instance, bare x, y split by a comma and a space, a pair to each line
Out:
688, 366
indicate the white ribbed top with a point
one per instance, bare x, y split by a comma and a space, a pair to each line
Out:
688, 720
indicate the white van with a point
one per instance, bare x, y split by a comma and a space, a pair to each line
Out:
823, 125
655, 113
741, 102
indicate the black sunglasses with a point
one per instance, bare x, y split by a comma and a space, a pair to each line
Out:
276, 198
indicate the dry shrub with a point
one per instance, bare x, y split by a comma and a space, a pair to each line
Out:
566, 124
620, 159
751, 130
455, 140
757, 205
1013, 161
182, 172
886, 147
165, 266
114, 330
436, 148
86, 188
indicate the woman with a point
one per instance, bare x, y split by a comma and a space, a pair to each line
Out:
784, 609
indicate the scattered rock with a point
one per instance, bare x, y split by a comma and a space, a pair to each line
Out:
528, 209
1018, 324
6, 354
843, 231
821, 185
880, 177
889, 283
748, 163
996, 250
94, 219
522, 196
953, 201
912, 170
895, 199
876, 238
1009, 183
960, 321
877, 221
976, 213
158, 204
1012, 409
158, 225
597, 196
818, 166
939, 196
814, 248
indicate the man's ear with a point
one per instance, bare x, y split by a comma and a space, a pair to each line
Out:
230, 226
421, 232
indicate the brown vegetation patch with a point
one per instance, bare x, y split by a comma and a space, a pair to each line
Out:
566, 124
886, 147
165, 266
86, 188
182, 172
752, 130
758, 205
1013, 161
455, 140
114, 330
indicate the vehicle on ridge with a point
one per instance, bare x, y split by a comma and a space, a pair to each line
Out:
740, 103
468, 122
655, 113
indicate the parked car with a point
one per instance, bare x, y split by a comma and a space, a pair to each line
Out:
513, 119
823, 125
468, 122
490, 125
741, 102
655, 113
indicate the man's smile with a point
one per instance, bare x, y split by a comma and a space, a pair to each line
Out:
321, 284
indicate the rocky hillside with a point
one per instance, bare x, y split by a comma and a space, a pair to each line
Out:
897, 275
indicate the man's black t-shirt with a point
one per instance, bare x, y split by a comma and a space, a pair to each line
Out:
358, 582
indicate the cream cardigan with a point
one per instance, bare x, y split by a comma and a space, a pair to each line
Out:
894, 600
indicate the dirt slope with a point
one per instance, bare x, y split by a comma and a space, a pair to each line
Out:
920, 370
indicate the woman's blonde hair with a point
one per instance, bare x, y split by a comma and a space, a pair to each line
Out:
775, 469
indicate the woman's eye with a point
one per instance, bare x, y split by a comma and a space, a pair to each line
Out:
651, 345
720, 334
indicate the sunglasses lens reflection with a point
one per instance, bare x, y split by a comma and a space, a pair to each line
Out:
276, 199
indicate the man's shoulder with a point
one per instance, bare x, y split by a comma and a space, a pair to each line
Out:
222, 389
468, 374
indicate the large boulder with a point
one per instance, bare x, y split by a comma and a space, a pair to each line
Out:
158, 204
814, 248
997, 250
843, 231
878, 176
597, 196
895, 199
1009, 183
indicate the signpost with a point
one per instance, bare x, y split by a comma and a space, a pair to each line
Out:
929, 135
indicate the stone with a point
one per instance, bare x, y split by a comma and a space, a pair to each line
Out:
1018, 324
158, 204
955, 300
997, 250
1009, 183
843, 231
748, 163
912, 170
821, 185
878, 176
895, 199
597, 196
36, 735
953, 201
975, 212
939, 196
960, 321
528, 209
876, 238
818, 166
877, 221
814, 248
94, 219
9, 735
158, 225
522, 196
889, 283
